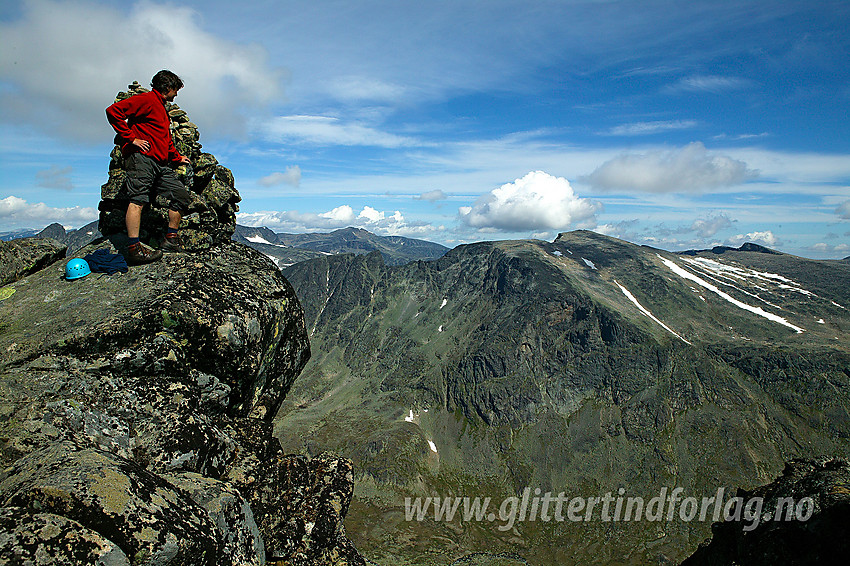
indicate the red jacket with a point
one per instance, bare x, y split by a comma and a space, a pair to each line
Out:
143, 116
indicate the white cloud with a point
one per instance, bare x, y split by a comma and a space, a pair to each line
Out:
689, 169
623, 230
535, 202
292, 176
343, 216
16, 212
327, 130
432, 196
843, 210
357, 89
646, 128
823, 248
766, 238
708, 227
369, 214
66, 60
339, 216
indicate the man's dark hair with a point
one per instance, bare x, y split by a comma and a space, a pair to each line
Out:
164, 81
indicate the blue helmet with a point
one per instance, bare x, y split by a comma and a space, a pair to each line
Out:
76, 268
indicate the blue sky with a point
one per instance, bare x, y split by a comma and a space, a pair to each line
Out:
674, 124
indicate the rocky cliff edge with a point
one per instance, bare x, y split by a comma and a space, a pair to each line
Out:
135, 418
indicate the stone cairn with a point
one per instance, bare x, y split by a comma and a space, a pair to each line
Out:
211, 218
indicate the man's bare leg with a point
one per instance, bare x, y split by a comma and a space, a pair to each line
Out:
133, 220
174, 218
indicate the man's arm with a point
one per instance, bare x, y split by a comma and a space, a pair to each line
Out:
117, 115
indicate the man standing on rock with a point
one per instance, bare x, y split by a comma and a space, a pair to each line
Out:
143, 131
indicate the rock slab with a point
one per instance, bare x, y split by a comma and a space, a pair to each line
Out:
135, 419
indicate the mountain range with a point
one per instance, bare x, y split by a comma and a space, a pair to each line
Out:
284, 249
587, 365
288, 249
74, 239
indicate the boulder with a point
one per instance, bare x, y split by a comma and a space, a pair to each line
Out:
65, 542
23, 256
136, 411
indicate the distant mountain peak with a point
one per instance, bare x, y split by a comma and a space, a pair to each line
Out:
746, 247
287, 249
353, 230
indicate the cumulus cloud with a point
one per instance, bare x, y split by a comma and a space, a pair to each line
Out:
292, 176
63, 62
55, 178
536, 202
624, 230
843, 210
826, 248
343, 216
766, 238
689, 169
16, 213
327, 130
708, 227
432, 196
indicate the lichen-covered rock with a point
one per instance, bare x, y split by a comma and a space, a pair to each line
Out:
226, 312
150, 520
231, 513
139, 406
23, 256
817, 535
299, 503
211, 218
32, 538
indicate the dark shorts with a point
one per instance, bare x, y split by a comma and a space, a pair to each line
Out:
146, 177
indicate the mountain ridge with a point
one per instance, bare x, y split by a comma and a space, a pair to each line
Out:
286, 249
588, 362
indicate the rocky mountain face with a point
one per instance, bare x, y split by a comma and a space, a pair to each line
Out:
821, 539
586, 365
20, 258
137, 419
136, 410
288, 249
72, 239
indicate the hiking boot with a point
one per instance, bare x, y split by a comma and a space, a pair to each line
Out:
172, 244
138, 254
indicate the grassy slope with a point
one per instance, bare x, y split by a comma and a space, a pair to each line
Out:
546, 375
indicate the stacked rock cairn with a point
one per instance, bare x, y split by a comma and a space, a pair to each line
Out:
211, 218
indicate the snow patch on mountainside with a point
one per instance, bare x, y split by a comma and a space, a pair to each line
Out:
258, 240
681, 272
752, 276
645, 311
